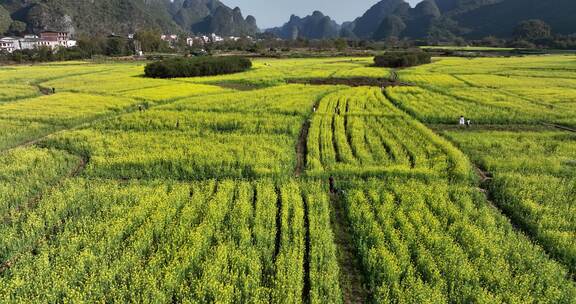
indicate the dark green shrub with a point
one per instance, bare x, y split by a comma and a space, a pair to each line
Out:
196, 66
402, 59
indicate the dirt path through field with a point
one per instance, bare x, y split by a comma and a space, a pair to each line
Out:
351, 82
351, 278
307, 258
560, 127
302, 144
302, 149
485, 176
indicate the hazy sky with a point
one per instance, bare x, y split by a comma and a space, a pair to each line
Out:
270, 13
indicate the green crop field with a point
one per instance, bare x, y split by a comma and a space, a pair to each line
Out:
117, 188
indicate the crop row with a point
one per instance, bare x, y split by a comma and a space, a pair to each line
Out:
10, 92
26, 74
180, 155
358, 130
482, 106
162, 120
490, 91
63, 109
14, 132
208, 241
535, 67
285, 99
193, 139
24, 174
431, 242
534, 182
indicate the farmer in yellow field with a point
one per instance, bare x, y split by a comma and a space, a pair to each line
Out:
462, 120
332, 186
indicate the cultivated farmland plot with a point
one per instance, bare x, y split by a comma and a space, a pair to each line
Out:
119, 188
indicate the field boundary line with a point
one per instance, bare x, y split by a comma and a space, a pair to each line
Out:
307, 243
561, 127
351, 278
302, 148
278, 238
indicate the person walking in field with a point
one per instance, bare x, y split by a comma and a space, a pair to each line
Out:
332, 186
462, 121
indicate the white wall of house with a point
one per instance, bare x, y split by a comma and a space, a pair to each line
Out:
9, 44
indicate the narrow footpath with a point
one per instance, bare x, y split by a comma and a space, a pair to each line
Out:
351, 278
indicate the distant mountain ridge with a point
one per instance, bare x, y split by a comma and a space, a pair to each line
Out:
559, 14
430, 19
444, 19
315, 26
436, 20
123, 16
366, 25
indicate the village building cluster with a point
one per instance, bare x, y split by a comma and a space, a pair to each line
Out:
50, 39
55, 40
200, 40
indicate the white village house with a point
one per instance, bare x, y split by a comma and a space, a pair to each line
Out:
29, 42
9, 44
51, 39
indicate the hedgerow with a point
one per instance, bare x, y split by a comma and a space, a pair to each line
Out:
196, 66
402, 59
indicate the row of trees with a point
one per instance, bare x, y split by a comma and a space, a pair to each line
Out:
148, 41
538, 34
529, 34
42, 54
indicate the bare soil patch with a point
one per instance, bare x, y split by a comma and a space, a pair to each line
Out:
351, 82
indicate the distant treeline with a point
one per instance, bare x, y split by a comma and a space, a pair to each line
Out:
531, 34
398, 59
42, 54
196, 66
